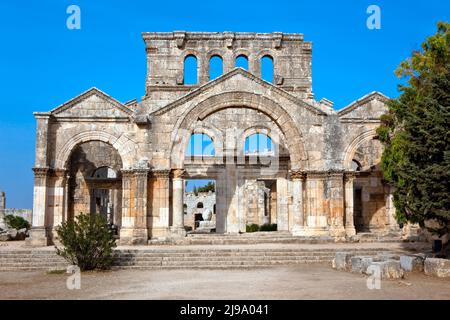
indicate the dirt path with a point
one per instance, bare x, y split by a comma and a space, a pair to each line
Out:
301, 282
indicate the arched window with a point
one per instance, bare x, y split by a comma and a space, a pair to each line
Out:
104, 173
190, 70
200, 144
241, 62
267, 68
258, 143
200, 205
215, 67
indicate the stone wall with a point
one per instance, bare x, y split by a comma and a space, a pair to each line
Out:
192, 202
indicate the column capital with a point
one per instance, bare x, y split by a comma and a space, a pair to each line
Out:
350, 176
127, 173
59, 173
178, 173
141, 173
161, 173
41, 172
297, 175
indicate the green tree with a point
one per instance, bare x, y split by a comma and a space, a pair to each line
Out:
416, 135
88, 242
208, 187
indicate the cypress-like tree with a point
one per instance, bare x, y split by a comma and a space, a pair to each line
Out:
416, 135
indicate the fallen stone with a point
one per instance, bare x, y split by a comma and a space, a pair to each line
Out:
389, 269
411, 263
437, 267
12, 233
359, 264
388, 256
5, 237
342, 261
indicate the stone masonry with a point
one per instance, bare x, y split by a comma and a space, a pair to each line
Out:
128, 160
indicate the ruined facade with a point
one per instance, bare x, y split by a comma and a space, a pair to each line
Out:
128, 161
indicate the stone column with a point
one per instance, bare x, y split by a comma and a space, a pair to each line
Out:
390, 210
38, 234
336, 204
298, 177
177, 203
57, 200
349, 220
134, 207
160, 204
59, 194
282, 205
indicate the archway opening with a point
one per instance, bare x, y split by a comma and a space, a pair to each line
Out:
241, 62
190, 75
267, 69
200, 204
215, 67
95, 183
258, 144
200, 145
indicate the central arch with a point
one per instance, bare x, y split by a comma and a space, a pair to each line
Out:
273, 110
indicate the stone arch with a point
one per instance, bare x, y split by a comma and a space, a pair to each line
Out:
354, 145
246, 100
212, 132
274, 134
124, 146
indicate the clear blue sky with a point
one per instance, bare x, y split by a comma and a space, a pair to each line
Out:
43, 63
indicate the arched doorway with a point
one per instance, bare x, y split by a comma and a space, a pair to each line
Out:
95, 183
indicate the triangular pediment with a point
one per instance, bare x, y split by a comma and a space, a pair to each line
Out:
92, 104
237, 79
371, 106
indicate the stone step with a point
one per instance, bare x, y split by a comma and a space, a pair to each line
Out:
193, 258
187, 259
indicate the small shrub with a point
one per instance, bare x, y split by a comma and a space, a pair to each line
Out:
16, 222
88, 242
268, 227
252, 228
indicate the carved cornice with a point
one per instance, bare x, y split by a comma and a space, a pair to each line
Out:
298, 175
350, 175
163, 174
41, 172
325, 174
178, 173
141, 173
127, 173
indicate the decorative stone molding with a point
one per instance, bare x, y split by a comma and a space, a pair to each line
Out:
298, 175
41, 172
229, 38
180, 37
165, 174
350, 176
277, 38
325, 174
127, 174
178, 173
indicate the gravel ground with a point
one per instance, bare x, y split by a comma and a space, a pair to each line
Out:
300, 282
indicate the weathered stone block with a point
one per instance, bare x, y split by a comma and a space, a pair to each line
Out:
342, 261
412, 263
388, 256
437, 267
389, 269
359, 264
